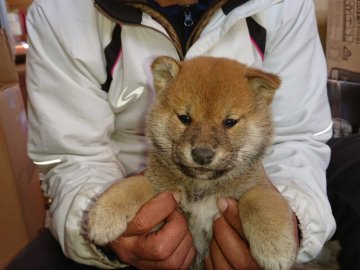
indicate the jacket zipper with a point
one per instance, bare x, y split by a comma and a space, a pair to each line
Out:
206, 16
188, 20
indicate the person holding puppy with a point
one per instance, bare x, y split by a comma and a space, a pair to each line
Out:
89, 90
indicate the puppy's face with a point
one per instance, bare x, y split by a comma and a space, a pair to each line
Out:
210, 115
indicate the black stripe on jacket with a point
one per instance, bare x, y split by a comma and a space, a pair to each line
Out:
257, 32
111, 52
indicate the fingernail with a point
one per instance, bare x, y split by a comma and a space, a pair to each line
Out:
177, 196
217, 216
222, 204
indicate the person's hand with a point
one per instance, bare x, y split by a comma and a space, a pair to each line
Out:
228, 248
170, 247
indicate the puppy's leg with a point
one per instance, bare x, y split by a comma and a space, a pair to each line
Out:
269, 228
116, 207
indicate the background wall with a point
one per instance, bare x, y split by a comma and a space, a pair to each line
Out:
321, 7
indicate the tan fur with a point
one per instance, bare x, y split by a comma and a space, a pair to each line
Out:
272, 232
205, 158
109, 217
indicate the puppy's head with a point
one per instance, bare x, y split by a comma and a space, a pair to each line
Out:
211, 115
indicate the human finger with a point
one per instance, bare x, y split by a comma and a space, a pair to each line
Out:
234, 248
217, 259
152, 213
190, 256
183, 256
158, 245
208, 263
230, 211
180, 258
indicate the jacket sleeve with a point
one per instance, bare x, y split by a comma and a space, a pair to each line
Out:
297, 162
70, 120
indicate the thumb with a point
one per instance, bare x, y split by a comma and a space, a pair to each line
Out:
230, 212
152, 213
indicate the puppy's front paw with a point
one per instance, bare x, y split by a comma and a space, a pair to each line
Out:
107, 220
116, 207
269, 228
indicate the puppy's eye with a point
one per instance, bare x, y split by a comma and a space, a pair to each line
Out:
229, 123
185, 119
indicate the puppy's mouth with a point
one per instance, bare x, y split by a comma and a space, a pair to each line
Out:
202, 172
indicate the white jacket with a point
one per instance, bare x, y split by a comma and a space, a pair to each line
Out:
84, 137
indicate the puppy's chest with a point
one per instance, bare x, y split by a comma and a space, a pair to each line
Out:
200, 214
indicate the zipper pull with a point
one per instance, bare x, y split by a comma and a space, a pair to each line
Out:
188, 21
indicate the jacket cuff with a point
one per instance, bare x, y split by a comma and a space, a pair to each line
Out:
311, 221
77, 245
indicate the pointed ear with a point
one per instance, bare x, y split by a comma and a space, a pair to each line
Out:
263, 83
164, 70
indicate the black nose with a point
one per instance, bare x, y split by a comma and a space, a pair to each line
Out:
202, 156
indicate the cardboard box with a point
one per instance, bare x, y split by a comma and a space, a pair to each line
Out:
343, 40
22, 208
344, 98
8, 74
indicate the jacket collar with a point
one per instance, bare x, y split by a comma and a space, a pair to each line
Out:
131, 11
125, 10
120, 10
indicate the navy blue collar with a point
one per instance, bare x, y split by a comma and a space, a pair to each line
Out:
121, 11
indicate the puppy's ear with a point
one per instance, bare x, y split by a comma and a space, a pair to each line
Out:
263, 83
164, 70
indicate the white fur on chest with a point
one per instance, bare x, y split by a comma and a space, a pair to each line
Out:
200, 221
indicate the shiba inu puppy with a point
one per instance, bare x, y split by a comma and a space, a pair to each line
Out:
210, 126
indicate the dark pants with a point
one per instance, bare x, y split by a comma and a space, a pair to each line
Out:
343, 174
